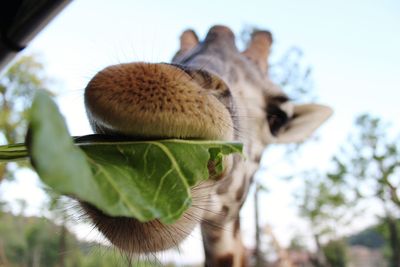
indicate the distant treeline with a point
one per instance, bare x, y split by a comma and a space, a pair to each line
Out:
37, 241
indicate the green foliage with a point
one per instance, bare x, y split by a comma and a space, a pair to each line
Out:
335, 252
321, 204
374, 237
369, 163
320, 201
29, 241
366, 168
297, 243
34, 241
369, 167
17, 87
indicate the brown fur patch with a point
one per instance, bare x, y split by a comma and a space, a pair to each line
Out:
133, 236
225, 260
244, 260
211, 232
236, 226
224, 211
214, 237
223, 187
241, 190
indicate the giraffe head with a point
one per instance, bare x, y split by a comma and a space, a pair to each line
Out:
210, 91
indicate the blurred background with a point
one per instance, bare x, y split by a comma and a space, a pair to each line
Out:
332, 201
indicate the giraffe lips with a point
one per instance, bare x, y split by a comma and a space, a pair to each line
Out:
121, 137
159, 130
133, 236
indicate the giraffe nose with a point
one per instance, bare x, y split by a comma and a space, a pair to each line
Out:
152, 100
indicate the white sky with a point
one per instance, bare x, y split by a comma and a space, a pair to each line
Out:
353, 47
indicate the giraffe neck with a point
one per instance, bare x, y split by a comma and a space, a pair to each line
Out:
223, 245
221, 233
218, 54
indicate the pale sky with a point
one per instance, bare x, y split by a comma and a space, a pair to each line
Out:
353, 47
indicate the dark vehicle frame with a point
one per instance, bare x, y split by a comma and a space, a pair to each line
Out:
21, 21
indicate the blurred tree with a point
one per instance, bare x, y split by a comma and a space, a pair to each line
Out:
27, 241
323, 204
369, 166
259, 255
297, 243
17, 87
34, 241
372, 237
57, 206
336, 253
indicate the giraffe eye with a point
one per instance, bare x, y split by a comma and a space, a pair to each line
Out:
277, 118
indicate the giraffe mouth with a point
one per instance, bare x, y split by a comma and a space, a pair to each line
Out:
133, 236
140, 101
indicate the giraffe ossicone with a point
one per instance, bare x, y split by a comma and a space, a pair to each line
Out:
210, 90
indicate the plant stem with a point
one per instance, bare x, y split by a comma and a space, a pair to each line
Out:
13, 152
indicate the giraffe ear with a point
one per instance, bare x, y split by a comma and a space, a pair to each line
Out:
258, 49
305, 121
188, 41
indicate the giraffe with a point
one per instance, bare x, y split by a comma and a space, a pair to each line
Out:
209, 91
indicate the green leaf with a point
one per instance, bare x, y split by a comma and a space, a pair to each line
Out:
152, 179
141, 179
60, 164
